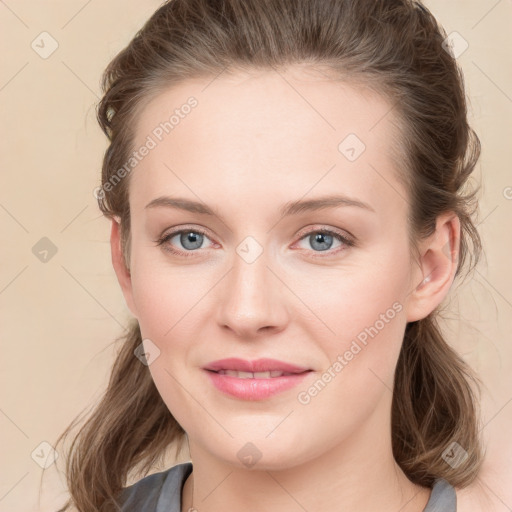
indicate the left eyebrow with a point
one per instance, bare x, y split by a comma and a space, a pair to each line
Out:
320, 203
290, 208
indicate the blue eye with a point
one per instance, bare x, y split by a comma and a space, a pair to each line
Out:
321, 240
190, 239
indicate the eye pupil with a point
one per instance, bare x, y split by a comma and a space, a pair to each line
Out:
322, 239
191, 237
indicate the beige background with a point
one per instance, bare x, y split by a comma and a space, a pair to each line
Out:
59, 318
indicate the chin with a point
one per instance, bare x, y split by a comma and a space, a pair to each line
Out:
263, 454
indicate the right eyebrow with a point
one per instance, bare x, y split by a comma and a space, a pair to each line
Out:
181, 204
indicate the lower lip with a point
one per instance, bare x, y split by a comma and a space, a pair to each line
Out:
254, 389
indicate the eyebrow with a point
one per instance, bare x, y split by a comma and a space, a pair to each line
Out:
290, 208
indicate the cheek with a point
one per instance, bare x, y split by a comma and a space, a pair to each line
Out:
362, 321
348, 301
166, 296
167, 304
360, 363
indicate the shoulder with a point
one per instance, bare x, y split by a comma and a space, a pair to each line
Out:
144, 495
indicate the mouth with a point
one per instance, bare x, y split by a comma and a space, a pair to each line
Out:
254, 380
255, 367
256, 375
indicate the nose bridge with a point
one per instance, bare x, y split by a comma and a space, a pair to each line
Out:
251, 298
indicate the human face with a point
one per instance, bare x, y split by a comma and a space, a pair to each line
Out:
251, 146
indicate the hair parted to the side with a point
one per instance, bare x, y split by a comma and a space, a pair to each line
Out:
391, 46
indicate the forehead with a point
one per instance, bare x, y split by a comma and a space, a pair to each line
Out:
267, 132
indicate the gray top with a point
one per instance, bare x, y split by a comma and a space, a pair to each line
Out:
161, 492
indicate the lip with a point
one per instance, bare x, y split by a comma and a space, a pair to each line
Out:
258, 365
254, 389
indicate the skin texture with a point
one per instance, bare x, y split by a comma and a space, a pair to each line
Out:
255, 142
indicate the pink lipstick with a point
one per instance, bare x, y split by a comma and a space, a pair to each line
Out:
254, 380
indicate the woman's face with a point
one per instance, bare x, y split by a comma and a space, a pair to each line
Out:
261, 276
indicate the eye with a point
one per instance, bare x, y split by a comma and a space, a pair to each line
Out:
189, 239
321, 240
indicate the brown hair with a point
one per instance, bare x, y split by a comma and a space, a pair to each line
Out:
392, 46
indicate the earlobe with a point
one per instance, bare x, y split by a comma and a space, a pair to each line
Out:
121, 270
438, 264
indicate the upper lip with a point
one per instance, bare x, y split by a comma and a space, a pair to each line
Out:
258, 365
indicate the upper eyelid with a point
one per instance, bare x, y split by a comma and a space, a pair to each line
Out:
173, 232
322, 228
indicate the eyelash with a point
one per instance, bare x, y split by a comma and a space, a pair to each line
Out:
188, 254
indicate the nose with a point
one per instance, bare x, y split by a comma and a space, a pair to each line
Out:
252, 299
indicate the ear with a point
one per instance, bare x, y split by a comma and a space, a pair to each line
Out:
122, 272
438, 264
